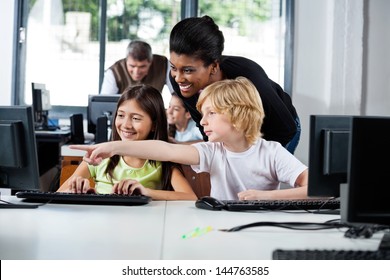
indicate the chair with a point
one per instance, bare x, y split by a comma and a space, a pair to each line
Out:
200, 182
68, 166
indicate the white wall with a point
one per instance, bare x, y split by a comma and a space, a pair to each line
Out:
6, 50
378, 60
332, 73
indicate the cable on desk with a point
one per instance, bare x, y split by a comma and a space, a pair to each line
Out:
362, 231
290, 225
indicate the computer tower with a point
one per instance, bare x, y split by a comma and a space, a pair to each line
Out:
77, 129
101, 129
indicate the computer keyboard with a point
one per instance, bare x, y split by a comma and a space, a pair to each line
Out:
72, 198
280, 254
301, 204
47, 128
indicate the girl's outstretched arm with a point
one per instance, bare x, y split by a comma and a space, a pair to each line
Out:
146, 149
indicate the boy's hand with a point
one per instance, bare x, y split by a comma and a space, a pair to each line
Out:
95, 153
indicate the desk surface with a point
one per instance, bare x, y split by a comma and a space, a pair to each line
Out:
61, 231
256, 243
154, 231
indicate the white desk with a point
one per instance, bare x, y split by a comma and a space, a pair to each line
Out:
154, 231
60, 231
255, 243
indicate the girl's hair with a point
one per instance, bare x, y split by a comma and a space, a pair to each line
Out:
240, 101
150, 101
199, 37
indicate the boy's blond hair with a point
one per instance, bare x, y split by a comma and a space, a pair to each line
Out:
240, 101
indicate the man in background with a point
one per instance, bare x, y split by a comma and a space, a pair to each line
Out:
140, 66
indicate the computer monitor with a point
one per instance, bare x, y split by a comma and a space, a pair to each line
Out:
328, 154
100, 106
366, 197
41, 106
18, 153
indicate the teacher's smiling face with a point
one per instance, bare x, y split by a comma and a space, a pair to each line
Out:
190, 73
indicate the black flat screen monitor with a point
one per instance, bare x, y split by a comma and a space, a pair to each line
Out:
366, 197
100, 106
41, 106
328, 154
36, 89
18, 153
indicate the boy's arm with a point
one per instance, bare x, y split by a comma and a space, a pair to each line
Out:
148, 149
299, 192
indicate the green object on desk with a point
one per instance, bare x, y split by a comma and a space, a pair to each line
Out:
197, 232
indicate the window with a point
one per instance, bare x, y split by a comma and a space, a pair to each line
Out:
149, 20
254, 29
63, 48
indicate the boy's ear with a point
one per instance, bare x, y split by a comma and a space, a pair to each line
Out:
187, 115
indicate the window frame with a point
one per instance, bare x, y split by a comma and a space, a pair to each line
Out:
188, 8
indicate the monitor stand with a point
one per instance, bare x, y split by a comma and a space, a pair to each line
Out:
9, 205
17, 206
385, 242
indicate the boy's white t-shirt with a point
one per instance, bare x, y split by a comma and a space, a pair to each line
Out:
263, 166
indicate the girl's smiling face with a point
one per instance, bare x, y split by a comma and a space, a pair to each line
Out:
131, 122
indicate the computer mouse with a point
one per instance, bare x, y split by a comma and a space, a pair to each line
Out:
209, 203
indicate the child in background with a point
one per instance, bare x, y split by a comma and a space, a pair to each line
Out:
140, 115
181, 126
242, 165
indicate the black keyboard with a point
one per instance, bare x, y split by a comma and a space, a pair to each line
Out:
301, 204
47, 128
73, 198
330, 255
